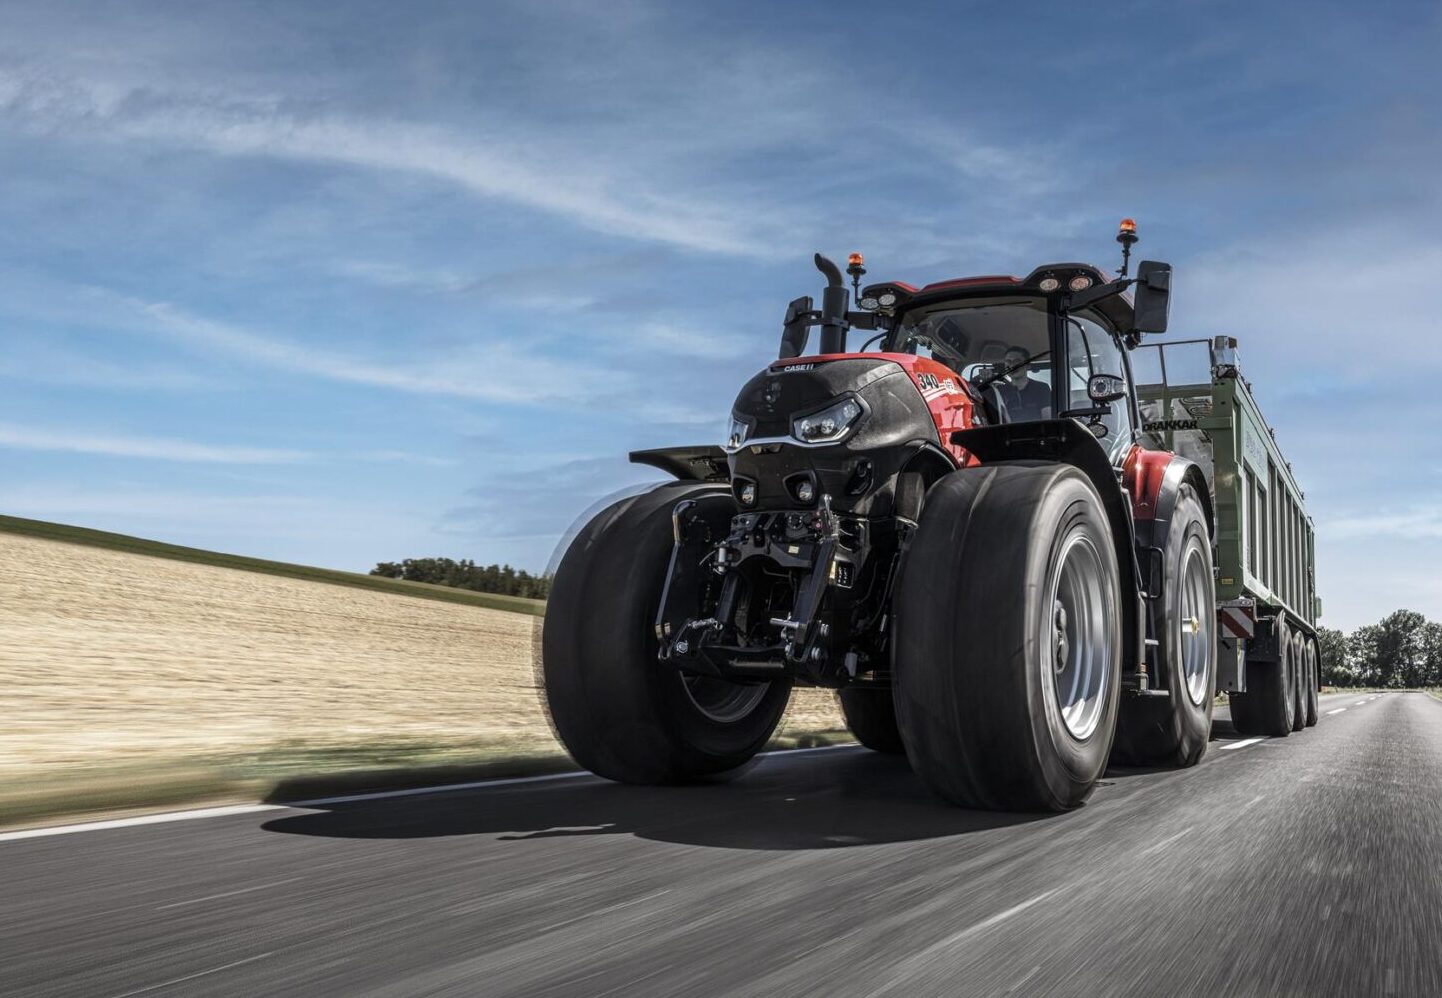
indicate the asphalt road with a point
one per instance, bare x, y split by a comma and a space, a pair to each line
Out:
1310, 865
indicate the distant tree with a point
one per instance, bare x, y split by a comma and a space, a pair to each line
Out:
1432, 655
1391, 653
466, 574
1335, 651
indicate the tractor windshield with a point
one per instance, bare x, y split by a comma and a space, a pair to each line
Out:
1000, 344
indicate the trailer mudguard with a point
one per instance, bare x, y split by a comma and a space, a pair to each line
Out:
1068, 441
704, 463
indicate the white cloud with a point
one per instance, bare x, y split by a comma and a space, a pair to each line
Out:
495, 372
405, 457
491, 164
156, 448
1414, 523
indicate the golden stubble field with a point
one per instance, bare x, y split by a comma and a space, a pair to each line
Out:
110, 659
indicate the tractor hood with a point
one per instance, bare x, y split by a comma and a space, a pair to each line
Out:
846, 425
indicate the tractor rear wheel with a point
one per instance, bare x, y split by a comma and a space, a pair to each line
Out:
619, 711
1266, 707
1007, 641
1174, 730
870, 713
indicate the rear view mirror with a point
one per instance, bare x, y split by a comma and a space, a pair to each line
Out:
795, 328
1153, 297
1103, 388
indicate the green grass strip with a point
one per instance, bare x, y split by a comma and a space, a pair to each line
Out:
175, 552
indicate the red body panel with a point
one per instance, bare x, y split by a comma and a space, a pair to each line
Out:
942, 388
1142, 474
971, 282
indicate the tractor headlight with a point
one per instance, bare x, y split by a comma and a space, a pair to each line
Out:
736, 435
829, 425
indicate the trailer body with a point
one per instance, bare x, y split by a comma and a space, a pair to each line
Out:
1194, 401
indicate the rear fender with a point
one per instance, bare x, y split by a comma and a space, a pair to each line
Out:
1066, 441
1154, 481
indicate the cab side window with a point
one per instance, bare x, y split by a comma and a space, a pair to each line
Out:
1091, 349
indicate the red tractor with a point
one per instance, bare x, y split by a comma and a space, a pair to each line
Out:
958, 526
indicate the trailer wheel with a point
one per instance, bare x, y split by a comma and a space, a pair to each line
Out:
1311, 682
1299, 676
1174, 730
871, 715
620, 712
1267, 705
1007, 643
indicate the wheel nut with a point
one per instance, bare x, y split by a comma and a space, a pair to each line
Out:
682, 647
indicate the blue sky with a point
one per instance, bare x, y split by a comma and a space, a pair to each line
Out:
346, 283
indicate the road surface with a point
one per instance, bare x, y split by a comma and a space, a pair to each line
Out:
1310, 865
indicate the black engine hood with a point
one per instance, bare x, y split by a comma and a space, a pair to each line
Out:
858, 472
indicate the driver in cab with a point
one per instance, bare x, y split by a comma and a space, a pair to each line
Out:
1022, 398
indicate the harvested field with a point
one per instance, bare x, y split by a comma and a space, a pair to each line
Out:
123, 669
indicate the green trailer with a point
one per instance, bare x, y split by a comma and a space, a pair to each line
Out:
1195, 402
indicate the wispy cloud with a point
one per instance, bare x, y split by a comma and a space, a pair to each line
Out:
1413, 523
494, 372
72, 369
491, 165
156, 448
34, 438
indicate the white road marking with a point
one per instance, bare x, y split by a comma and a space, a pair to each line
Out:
144, 819
444, 788
216, 897
1244, 743
191, 977
512, 780
1361, 701
220, 812
1337, 711
1164, 842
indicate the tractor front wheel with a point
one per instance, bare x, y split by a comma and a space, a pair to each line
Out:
1007, 641
621, 712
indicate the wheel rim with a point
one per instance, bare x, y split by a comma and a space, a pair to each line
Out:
1078, 635
1196, 623
722, 701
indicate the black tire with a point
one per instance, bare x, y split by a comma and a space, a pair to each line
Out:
620, 712
975, 640
1174, 730
871, 715
1299, 681
1266, 707
1311, 682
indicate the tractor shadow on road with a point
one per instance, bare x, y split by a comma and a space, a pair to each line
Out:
826, 801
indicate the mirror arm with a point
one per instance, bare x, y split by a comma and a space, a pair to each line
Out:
1095, 412
1081, 299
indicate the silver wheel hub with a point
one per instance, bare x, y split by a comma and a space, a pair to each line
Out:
1079, 635
1195, 623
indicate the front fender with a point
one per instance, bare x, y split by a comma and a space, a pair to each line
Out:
704, 463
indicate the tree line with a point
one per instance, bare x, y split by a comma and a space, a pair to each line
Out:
1402, 650
466, 574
